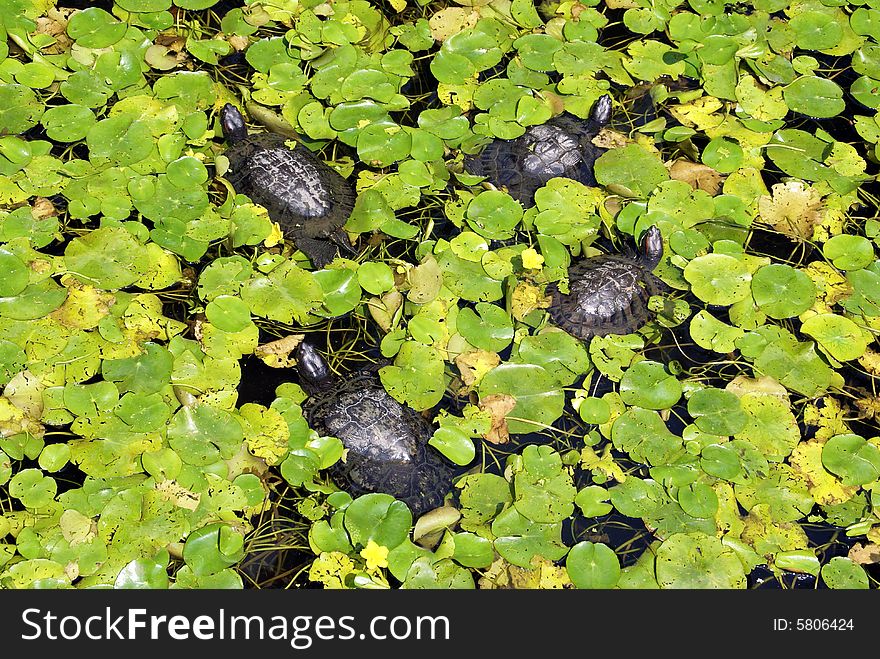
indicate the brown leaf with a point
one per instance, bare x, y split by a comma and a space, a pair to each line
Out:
610, 139
277, 353
238, 42
499, 406
54, 24
864, 554
697, 175
384, 309
43, 208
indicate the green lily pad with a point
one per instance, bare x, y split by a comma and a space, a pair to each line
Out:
648, 384
848, 252
852, 458
723, 154
19, 109
492, 330
342, 292
454, 444
494, 214
592, 501
643, 435
213, 548
229, 313
592, 565
717, 412
837, 335
201, 435
539, 400
120, 139
843, 573
375, 277
814, 96
95, 28
543, 490
287, 294
782, 291
561, 355
718, 278
109, 258
377, 517
143, 573
32, 488
632, 170
68, 123
14, 274
518, 539
417, 376
692, 560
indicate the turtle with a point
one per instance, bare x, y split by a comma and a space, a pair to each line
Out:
561, 147
608, 294
307, 198
386, 441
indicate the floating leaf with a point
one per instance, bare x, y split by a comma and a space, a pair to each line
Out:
698, 561
592, 565
648, 384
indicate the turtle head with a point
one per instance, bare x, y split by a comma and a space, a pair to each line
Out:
312, 368
232, 122
601, 113
651, 248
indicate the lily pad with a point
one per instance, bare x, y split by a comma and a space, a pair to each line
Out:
698, 561
592, 565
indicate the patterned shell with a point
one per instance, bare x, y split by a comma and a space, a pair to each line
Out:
561, 147
304, 195
386, 442
608, 294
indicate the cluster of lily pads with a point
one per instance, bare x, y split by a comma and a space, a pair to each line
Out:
134, 283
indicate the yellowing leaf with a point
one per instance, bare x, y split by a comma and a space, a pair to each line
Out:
845, 160
542, 575
526, 298
763, 384
266, 432
592, 461
84, 307
474, 365
864, 554
277, 354
275, 237
699, 113
794, 209
178, 495
384, 309
824, 487
76, 528
829, 418
331, 569
831, 286
768, 537
461, 95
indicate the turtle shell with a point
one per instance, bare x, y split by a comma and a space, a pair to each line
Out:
562, 147
608, 294
386, 443
309, 200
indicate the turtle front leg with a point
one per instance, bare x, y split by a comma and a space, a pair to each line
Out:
340, 239
320, 252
